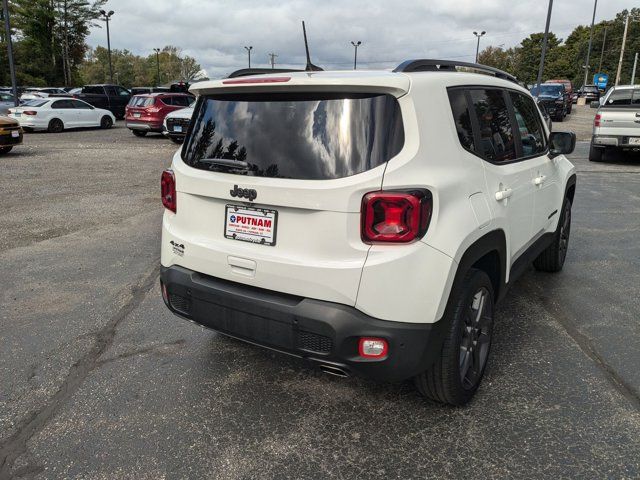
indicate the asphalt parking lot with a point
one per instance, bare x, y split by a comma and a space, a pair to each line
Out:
98, 380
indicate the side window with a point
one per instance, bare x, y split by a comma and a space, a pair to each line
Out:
166, 100
496, 135
62, 104
182, 101
461, 117
531, 131
111, 91
79, 104
123, 92
93, 90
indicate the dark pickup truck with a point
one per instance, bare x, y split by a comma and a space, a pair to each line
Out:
110, 97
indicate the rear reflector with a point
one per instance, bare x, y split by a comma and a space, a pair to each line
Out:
168, 190
395, 217
242, 81
369, 347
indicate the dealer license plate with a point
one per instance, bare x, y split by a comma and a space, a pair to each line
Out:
634, 141
177, 128
255, 225
15, 134
136, 115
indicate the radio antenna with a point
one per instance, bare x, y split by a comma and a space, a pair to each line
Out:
310, 66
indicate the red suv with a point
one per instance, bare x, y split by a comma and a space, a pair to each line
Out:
145, 113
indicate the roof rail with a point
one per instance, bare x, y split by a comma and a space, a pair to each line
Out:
245, 72
430, 65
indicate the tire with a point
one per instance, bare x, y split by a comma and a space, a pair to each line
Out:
4, 150
457, 372
176, 140
552, 258
596, 154
55, 126
139, 133
106, 122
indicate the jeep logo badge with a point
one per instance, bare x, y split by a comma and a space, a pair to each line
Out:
248, 193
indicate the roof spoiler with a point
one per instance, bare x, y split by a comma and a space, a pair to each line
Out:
432, 65
245, 72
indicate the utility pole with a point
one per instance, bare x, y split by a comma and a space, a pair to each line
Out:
355, 55
12, 66
586, 63
604, 40
624, 41
633, 72
157, 50
544, 48
106, 16
478, 35
248, 49
272, 59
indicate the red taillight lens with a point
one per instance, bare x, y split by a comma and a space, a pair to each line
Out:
371, 347
596, 121
30, 112
395, 217
168, 190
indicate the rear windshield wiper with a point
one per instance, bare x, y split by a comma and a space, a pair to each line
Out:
225, 163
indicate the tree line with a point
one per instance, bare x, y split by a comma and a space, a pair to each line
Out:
566, 59
50, 49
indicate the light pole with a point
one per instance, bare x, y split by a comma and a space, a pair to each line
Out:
586, 63
355, 55
157, 50
272, 60
478, 35
12, 67
544, 48
106, 16
248, 49
624, 42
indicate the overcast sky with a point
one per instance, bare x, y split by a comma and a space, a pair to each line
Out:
215, 31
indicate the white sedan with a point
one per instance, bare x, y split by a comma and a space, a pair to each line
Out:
56, 114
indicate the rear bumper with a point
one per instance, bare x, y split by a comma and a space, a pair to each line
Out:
620, 141
7, 140
146, 126
324, 333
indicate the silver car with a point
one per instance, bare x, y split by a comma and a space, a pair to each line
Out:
6, 102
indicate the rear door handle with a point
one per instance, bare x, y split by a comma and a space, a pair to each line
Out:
539, 180
503, 194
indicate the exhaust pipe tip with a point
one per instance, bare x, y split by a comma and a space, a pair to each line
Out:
333, 370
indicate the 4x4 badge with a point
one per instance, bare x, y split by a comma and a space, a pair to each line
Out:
248, 193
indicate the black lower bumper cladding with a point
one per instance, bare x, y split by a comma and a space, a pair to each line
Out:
322, 332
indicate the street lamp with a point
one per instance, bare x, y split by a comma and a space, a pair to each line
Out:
157, 50
586, 63
106, 16
478, 35
12, 68
248, 49
355, 55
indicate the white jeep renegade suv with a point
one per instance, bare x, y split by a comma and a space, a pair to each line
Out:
366, 221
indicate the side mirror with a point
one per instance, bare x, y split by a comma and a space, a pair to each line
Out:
562, 143
594, 104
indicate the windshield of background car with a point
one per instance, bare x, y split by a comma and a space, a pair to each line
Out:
141, 101
624, 97
310, 136
591, 89
549, 90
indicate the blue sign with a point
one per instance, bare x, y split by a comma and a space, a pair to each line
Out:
600, 80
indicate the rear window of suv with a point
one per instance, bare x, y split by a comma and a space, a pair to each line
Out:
624, 97
137, 101
307, 136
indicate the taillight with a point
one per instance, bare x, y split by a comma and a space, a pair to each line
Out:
30, 112
168, 190
596, 121
395, 217
371, 347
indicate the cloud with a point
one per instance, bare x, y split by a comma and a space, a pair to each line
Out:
215, 31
